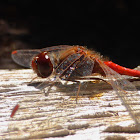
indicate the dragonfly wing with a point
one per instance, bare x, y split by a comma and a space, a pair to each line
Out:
125, 90
24, 57
117, 81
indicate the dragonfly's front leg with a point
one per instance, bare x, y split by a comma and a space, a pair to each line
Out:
78, 91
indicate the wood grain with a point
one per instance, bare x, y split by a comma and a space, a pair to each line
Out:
99, 113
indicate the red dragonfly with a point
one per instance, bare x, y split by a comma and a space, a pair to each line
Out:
77, 63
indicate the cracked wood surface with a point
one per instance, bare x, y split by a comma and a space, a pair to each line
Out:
99, 113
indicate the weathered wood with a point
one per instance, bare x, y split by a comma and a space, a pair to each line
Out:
96, 116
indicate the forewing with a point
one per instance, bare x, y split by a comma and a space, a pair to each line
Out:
24, 57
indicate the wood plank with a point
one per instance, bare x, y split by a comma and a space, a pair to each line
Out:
99, 113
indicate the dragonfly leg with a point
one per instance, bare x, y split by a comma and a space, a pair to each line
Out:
33, 79
48, 90
78, 91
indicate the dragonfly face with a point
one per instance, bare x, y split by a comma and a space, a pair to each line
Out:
42, 65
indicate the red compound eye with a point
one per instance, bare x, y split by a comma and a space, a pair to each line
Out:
42, 65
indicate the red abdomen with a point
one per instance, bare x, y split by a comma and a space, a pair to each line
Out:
122, 70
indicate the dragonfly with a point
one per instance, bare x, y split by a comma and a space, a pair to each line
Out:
77, 63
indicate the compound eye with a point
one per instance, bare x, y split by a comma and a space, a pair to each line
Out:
42, 65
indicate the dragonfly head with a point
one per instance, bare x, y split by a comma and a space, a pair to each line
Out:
42, 65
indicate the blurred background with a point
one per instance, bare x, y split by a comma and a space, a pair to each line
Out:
109, 27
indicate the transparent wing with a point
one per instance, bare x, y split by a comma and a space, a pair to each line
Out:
24, 57
125, 90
